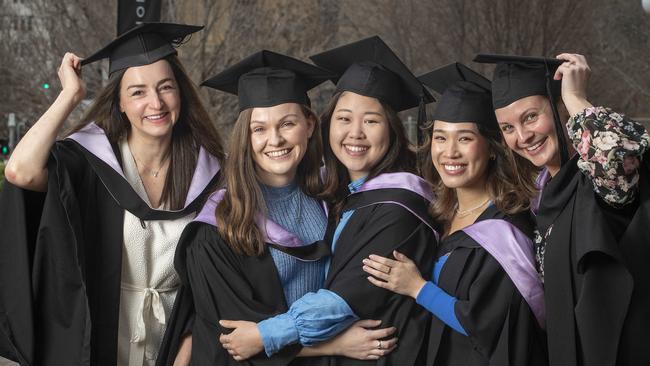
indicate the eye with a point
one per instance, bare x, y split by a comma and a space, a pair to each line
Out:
465, 139
439, 138
257, 129
531, 117
167, 87
371, 121
137, 93
507, 128
288, 123
343, 118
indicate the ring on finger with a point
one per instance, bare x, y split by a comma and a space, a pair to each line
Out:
379, 346
389, 268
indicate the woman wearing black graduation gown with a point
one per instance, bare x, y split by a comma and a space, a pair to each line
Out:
86, 275
257, 245
372, 194
486, 295
592, 216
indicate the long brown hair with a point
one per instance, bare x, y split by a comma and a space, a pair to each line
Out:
193, 129
243, 199
399, 158
510, 183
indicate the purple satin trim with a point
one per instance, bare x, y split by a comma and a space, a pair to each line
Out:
399, 180
541, 181
514, 252
207, 213
409, 210
93, 139
207, 166
275, 233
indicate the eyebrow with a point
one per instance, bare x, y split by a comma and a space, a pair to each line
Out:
368, 112
457, 131
527, 111
142, 85
281, 119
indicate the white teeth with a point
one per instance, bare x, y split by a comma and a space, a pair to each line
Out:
156, 116
531, 148
278, 153
453, 167
356, 148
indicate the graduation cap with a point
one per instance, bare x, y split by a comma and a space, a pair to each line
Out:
142, 45
370, 68
517, 77
465, 95
266, 78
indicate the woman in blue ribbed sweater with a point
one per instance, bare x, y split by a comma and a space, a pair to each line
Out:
256, 247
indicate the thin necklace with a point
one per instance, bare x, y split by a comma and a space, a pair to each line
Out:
464, 213
154, 173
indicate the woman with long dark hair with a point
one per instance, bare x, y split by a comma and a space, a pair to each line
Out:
592, 214
485, 295
91, 257
256, 248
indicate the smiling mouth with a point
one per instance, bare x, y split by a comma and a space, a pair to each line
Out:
453, 167
278, 153
356, 149
535, 147
157, 117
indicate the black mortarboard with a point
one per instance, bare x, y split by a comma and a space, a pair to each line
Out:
370, 68
465, 95
266, 78
142, 45
517, 77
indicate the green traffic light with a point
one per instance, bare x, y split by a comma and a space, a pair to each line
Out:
46, 86
5, 150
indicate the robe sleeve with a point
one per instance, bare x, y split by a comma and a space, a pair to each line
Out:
223, 288
610, 146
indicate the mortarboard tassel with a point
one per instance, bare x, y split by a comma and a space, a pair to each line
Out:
559, 128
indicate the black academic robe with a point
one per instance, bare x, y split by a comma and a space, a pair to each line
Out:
61, 254
501, 328
384, 220
221, 284
597, 277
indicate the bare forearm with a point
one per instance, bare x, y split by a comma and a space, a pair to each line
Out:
184, 352
27, 167
321, 349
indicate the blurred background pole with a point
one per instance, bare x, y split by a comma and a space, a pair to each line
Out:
11, 126
133, 12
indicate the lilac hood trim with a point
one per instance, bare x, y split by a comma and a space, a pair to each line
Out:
514, 252
407, 181
541, 181
93, 139
275, 233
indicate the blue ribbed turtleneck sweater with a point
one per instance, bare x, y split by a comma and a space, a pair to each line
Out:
303, 216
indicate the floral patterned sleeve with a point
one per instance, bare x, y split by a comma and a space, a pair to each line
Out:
610, 147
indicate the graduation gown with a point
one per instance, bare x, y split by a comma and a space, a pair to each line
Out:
61, 253
597, 276
221, 284
503, 326
390, 214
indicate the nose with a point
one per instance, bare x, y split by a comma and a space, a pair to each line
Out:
356, 130
523, 135
451, 149
156, 101
276, 138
